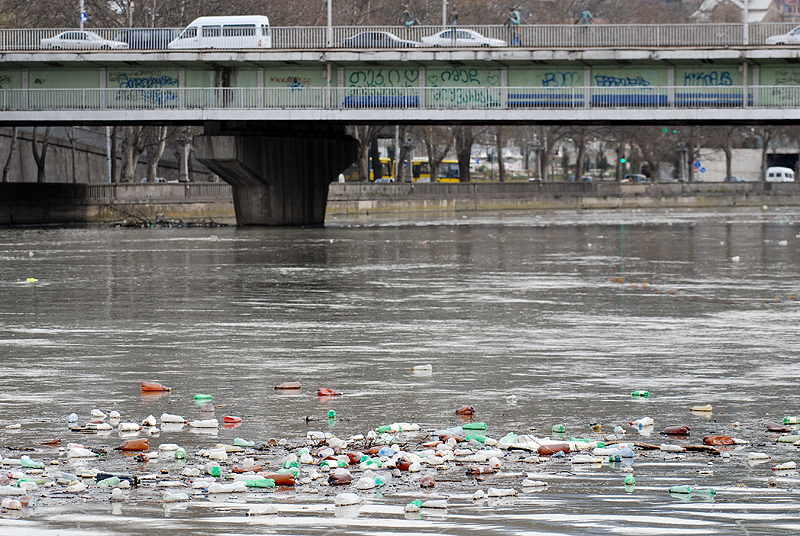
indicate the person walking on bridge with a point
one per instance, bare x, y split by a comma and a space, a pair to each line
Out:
586, 17
512, 23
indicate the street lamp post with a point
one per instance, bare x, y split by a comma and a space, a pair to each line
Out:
745, 28
444, 13
329, 39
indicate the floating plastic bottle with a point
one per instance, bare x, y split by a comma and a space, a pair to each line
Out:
154, 387
703, 491
205, 423
640, 394
180, 454
788, 438
758, 456
109, 482
203, 397
620, 454
706, 408
27, 463
234, 487
681, 490
135, 444
475, 437
641, 423
288, 385
260, 483
788, 466
558, 428
169, 496
474, 426
167, 417
239, 442
791, 420
629, 480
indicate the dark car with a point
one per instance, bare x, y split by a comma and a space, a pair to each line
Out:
147, 38
377, 40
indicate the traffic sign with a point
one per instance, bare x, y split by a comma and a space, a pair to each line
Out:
697, 164
84, 17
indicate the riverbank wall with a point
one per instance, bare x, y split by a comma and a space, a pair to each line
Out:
55, 203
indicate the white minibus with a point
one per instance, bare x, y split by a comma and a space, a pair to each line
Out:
225, 33
780, 174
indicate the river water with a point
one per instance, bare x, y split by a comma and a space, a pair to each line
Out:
522, 304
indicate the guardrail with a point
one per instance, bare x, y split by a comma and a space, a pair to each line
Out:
316, 37
450, 98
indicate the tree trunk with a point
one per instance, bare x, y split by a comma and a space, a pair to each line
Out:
73, 154
115, 168
501, 167
11, 151
154, 154
375, 158
465, 138
132, 152
40, 156
581, 147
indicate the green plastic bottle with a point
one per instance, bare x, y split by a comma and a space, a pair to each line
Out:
331, 414
704, 491
474, 426
260, 483
108, 482
239, 442
629, 480
640, 394
475, 437
180, 454
27, 463
791, 420
682, 490
203, 397
216, 471
559, 428
290, 463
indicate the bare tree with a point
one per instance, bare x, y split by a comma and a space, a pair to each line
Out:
70, 133
133, 145
723, 138
40, 155
501, 165
438, 140
465, 136
156, 142
11, 151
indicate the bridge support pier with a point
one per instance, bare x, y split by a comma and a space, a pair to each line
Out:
277, 178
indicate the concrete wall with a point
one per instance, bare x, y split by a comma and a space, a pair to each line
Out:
91, 161
745, 163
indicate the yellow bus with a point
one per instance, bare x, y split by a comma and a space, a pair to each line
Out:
421, 169
387, 171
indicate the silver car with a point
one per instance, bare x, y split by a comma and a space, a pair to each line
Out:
81, 40
456, 37
791, 38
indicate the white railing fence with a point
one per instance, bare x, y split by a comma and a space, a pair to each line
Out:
449, 98
315, 37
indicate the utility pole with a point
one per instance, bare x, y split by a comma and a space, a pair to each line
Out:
82, 15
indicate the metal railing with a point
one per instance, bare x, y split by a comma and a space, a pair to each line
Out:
359, 37
448, 98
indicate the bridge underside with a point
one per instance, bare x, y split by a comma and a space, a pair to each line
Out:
278, 178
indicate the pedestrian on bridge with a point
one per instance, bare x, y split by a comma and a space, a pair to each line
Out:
512, 23
586, 17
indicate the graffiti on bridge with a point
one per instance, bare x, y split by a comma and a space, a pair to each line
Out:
384, 78
149, 87
466, 97
562, 79
625, 81
707, 78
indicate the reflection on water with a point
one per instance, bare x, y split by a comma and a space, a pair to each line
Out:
516, 314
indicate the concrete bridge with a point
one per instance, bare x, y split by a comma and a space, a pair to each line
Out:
275, 118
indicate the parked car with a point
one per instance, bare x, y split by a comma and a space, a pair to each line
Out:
426, 179
81, 40
461, 38
383, 180
146, 38
779, 174
377, 40
635, 177
738, 179
790, 38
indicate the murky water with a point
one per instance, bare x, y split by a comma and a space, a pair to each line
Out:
499, 305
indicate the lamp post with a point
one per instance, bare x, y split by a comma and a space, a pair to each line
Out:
745, 27
444, 13
329, 39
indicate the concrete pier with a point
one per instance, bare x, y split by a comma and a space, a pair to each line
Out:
277, 178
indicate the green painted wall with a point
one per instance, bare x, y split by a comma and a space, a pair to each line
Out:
10, 79
63, 78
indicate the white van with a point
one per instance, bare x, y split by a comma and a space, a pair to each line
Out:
225, 32
780, 174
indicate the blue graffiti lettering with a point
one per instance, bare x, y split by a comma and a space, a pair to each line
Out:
711, 78
561, 79
613, 81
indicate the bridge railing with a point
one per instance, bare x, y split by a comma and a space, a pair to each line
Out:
446, 98
316, 37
